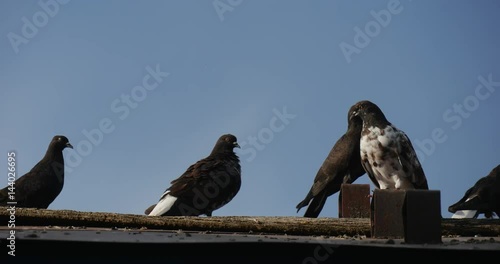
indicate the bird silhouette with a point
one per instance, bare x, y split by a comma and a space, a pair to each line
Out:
342, 165
39, 187
205, 186
482, 198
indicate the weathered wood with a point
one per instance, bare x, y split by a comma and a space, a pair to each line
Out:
470, 227
271, 225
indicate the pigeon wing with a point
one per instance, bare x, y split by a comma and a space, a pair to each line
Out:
194, 176
410, 163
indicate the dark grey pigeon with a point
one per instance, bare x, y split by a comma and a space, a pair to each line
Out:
206, 186
342, 165
482, 198
42, 184
387, 154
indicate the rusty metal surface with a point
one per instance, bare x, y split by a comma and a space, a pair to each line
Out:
125, 235
170, 246
354, 201
387, 221
422, 216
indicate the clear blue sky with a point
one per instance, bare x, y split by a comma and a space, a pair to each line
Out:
277, 71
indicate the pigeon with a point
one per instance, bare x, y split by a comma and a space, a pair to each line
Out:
482, 198
39, 187
205, 186
387, 154
342, 165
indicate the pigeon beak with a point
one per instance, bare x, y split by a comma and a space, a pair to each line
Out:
68, 145
236, 145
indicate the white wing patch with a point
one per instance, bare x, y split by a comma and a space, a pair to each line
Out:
163, 205
465, 213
